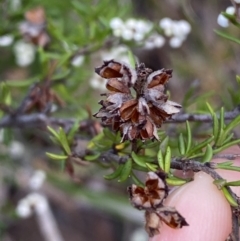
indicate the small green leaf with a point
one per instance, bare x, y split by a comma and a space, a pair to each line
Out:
151, 167
92, 157
229, 197
175, 181
226, 36
115, 174
229, 144
64, 141
228, 167
56, 157
126, 171
229, 128
53, 132
160, 160
139, 160
189, 137
215, 121
181, 145
234, 183
167, 162
228, 139
164, 144
208, 154
200, 146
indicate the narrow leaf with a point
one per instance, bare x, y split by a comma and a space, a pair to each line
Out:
167, 161
92, 157
56, 156
200, 146
229, 197
234, 183
208, 154
226, 36
175, 181
139, 160
126, 171
189, 137
160, 160
64, 141
115, 174
164, 144
181, 144
151, 167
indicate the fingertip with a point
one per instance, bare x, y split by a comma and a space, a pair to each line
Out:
205, 209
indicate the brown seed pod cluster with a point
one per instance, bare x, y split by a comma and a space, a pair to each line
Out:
136, 104
34, 28
150, 198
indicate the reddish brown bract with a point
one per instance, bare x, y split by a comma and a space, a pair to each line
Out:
150, 198
137, 117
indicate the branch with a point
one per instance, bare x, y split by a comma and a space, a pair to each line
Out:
42, 120
203, 117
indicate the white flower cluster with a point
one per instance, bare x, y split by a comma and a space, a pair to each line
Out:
154, 41
130, 30
120, 53
6, 40
32, 202
177, 31
24, 53
141, 32
222, 20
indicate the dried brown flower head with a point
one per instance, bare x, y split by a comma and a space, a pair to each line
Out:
136, 116
150, 198
34, 28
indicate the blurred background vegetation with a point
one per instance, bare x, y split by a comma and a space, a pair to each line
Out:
77, 36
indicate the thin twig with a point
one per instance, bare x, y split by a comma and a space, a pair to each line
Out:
41, 120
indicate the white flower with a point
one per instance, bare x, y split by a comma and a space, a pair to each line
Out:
33, 201
165, 23
131, 23
37, 201
222, 20
116, 23
230, 10
131, 30
127, 34
184, 27
24, 53
16, 149
6, 40
23, 209
143, 26
154, 41
77, 60
37, 179
175, 42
